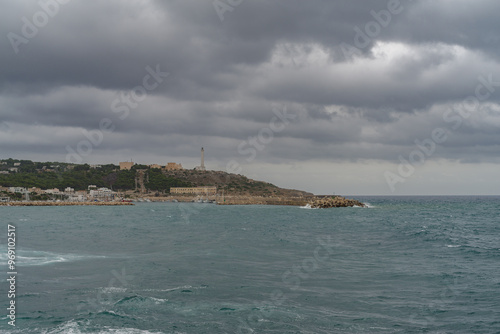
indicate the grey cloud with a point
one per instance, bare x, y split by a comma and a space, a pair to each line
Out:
226, 78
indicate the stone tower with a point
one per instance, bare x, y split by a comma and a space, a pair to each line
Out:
202, 166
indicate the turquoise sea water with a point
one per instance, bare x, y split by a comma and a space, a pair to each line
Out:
404, 265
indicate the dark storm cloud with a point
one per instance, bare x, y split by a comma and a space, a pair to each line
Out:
226, 77
461, 22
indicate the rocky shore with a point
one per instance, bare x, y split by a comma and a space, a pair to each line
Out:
34, 203
335, 202
322, 202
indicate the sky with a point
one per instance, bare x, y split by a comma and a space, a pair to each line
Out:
333, 97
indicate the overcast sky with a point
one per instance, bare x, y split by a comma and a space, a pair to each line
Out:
346, 97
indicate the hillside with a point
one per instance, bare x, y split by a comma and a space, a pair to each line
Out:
233, 184
48, 175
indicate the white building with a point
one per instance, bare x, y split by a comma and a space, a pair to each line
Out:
17, 164
69, 190
17, 190
102, 194
77, 198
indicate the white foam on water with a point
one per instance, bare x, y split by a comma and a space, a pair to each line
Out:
307, 206
158, 300
112, 289
39, 258
184, 287
72, 327
453, 246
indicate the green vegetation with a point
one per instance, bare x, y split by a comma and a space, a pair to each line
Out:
51, 175
125, 180
159, 182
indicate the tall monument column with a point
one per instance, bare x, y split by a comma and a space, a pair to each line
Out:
202, 166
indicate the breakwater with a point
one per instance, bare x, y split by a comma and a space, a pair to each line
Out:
335, 202
260, 200
322, 202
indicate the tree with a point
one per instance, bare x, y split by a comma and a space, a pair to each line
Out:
110, 179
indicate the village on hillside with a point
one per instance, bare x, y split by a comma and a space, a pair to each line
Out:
92, 192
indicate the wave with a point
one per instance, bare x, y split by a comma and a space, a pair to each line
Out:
183, 288
39, 258
78, 327
138, 300
112, 289
307, 206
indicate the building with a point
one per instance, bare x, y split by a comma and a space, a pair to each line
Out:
17, 164
14, 169
77, 198
36, 190
173, 166
69, 190
206, 190
155, 166
4, 172
103, 194
127, 165
52, 191
17, 190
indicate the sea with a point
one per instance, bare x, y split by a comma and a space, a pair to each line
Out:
402, 265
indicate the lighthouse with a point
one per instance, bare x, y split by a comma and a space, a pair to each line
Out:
202, 166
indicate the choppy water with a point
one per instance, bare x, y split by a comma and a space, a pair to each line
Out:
405, 265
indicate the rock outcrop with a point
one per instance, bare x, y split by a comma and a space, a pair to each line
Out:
335, 202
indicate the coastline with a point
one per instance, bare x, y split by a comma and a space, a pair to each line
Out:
313, 201
41, 203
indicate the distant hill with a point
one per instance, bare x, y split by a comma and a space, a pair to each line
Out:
48, 175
